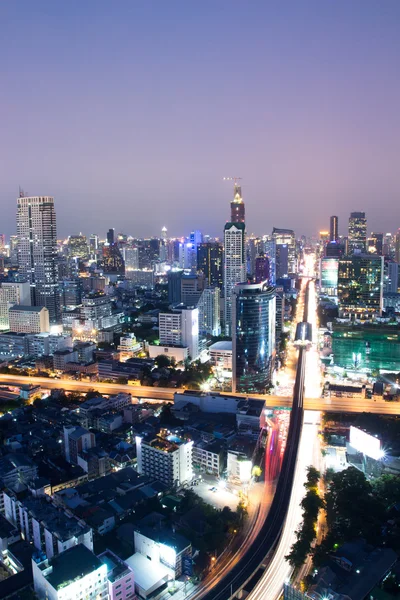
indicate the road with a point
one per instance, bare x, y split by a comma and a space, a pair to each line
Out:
343, 404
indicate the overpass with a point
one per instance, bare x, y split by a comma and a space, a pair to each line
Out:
332, 404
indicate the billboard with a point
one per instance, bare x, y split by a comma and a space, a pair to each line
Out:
329, 273
366, 443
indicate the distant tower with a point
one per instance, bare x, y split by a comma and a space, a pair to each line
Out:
237, 205
111, 235
334, 229
163, 245
37, 251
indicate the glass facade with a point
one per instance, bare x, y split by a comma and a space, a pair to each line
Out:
357, 232
366, 347
360, 284
329, 275
253, 342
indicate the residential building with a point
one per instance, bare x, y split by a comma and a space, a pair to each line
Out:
208, 457
209, 312
17, 469
37, 251
76, 441
29, 319
180, 328
163, 546
253, 339
121, 584
76, 573
234, 266
168, 459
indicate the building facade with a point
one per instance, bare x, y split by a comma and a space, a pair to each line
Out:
234, 266
360, 285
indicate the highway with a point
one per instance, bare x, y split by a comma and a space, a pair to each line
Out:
333, 404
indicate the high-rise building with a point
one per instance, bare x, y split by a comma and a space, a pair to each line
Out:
111, 236
328, 275
390, 276
210, 261
192, 287
234, 266
112, 261
285, 237
37, 251
209, 312
12, 293
174, 277
262, 272
78, 246
375, 243
360, 285
334, 229
357, 232
253, 337
397, 246
180, 328
237, 205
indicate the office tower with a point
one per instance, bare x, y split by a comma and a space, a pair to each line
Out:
285, 237
174, 277
111, 236
94, 243
262, 272
209, 312
29, 319
78, 246
375, 243
234, 266
253, 337
334, 229
270, 252
71, 293
237, 205
281, 261
112, 261
390, 276
360, 285
357, 232
72, 574
37, 251
12, 293
210, 258
168, 459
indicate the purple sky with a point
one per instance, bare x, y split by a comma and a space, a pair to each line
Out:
131, 112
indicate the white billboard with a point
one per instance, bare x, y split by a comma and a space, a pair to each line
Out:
366, 443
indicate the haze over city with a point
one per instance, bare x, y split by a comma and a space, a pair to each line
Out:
130, 114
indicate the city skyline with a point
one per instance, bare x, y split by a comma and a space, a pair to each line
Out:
303, 107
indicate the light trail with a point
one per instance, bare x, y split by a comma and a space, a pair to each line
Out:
278, 571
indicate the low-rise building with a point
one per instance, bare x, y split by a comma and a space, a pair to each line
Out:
29, 319
168, 459
62, 358
208, 457
76, 441
221, 356
121, 585
77, 573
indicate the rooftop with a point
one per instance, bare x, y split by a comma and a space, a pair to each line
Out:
71, 565
23, 308
222, 346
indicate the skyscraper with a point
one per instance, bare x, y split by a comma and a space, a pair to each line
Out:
234, 266
37, 251
357, 232
285, 237
334, 229
209, 261
237, 205
360, 285
262, 269
253, 337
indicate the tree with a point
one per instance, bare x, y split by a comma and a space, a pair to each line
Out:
313, 477
162, 361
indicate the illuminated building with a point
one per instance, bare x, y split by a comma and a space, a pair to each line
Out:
78, 246
128, 347
131, 258
237, 205
168, 459
285, 237
71, 293
180, 328
234, 266
390, 276
360, 285
210, 261
29, 319
397, 246
323, 242
209, 312
75, 573
174, 277
95, 315
37, 251
334, 229
357, 232
112, 261
121, 585
11, 293
375, 243
328, 282
253, 337
366, 346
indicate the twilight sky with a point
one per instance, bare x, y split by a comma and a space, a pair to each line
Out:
131, 112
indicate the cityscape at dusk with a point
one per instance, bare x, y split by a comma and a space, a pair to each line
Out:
200, 301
